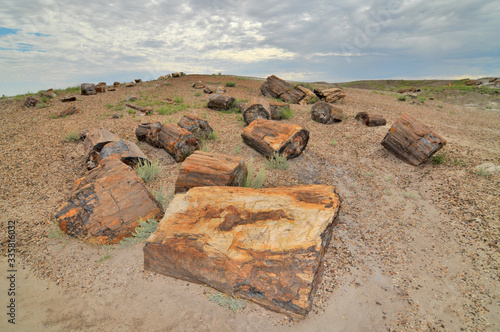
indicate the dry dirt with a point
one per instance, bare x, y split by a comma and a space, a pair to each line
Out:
416, 248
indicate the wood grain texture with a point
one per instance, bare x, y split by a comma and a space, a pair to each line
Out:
94, 141
269, 137
412, 141
275, 87
264, 245
256, 108
325, 113
128, 152
196, 125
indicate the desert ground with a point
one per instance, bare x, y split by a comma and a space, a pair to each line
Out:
415, 249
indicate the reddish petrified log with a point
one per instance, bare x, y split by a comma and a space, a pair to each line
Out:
275, 87
256, 108
128, 152
107, 204
68, 111
330, 95
209, 169
177, 141
196, 125
325, 113
269, 137
264, 245
412, 141
94, 141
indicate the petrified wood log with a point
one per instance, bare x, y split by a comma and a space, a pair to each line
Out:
323, 112
218, 102
330, 95
94, 141
31, 101
68, 111
264, 245
196, 125
66, 99
371, 120
88, 89
209, 169
198, 85
275, 87
269, 137
309, 97
128, 152
361, 116
412, 141
256, 108
144, 110
177, 141
107, 204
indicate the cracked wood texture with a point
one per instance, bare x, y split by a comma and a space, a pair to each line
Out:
127, 151
275, 87
177, 141
269, 137
256, 108
94, 141
107, 204
264, 245
209, 169
412, 141
196, 125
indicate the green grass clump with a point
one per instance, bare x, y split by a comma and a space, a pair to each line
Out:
178, 100
333, 142
73, 136
230, 84
438, 159
227, 302
197, 94
306, 85
253, 180
212, 136
483, 172
147, 170
141, 232
286, 112
277, 162
170, 109
402, 98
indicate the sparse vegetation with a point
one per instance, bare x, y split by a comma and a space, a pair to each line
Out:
313, 100
227, 302
483, 172
368, 174
277, 162
458, 162
402, 98
333, 142
147, 170
73, 136
197, 94
252, 179
108, 106
230, 84
438, 158
411, 195
440, 106
105, 257
212, 136
141, 232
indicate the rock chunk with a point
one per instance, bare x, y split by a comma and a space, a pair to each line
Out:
88, 89
50, 93
264, 245
325, 113
31, 101
128, 152
208, 90
203, 169
277, 109
412, 141
256, 108
94, 141
330, 95
107, 204
275, 87
220, 103
66, 99
68, 111
196, 125
371, 120
198, 85
269, 137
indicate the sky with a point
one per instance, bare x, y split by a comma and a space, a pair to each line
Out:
57, 44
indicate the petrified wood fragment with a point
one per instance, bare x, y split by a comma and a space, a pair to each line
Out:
196, 125
68, 111
177, 141
325, 113
209, 169
88, 89
107, 204
270, 137
275, 87
264, 245
94, 141
256, 108
128, 152
412, 141
220, 103
371, 120
330, 95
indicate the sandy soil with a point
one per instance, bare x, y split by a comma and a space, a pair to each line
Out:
416, 248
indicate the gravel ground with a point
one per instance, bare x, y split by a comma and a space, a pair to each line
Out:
416, 248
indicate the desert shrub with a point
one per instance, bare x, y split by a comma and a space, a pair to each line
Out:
178, 100
483, 172
277, 162
197, 94
438, 159
286, 112
402, 98
313, 100
212, 136
141, 232
147, 170
73, 136
227, 302
230, 84
253, 179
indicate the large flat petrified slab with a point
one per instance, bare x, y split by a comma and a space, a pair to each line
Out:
264, 245
107, 204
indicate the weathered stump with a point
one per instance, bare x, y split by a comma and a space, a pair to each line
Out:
107, 204
412, 141
275, 87
88, 89
371, 120
196, 125
209, 169
94, 141
218, 102
256, 108
330, 95
128, 152
264, 245
325, 113
269, 137
177, 141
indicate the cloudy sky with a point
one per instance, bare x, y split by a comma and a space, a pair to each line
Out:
55, 43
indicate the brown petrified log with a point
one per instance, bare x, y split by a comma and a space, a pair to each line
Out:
209, 169
309, 97
264, 245
256, 108
107, 204
220, 103
371, 120
128, 152
324, 112
269, 137
177, 141
330, 95
94, 141
275, 87
68, 111
196, 125
412, 141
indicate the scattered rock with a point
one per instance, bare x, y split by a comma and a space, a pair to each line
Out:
198, 85
138, 80
330, 95
412, 141
256, 108
116, 84
100, 88
130, 85
371, 120
219, 103
50, 93
68, 111
209, 169
309, 97
275, 87
117, 116
128, 152
488, 168
472, 82
493, 79
111, 89
177, 141
196, 125
66, 99
208, 90
270, 253
94, 141
176, 75
145, 110
324, 112
31, 101
88, 89
411, 90
220, 89
269, 137
107, 204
